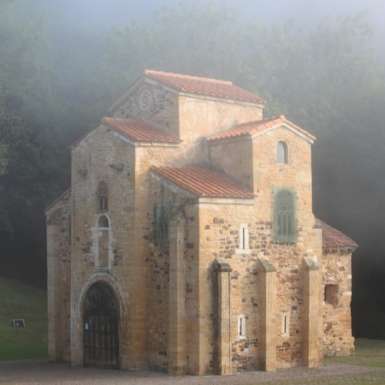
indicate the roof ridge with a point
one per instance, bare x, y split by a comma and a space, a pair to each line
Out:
184, 76
140, 120
262, 121
140, 130
255, 126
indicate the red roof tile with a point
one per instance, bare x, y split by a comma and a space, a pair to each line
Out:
203, 86
139, 131
333, 238
251, 128
204, 182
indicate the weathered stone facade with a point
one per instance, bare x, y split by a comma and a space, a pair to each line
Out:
203, 286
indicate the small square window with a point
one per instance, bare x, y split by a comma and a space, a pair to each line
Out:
331, 294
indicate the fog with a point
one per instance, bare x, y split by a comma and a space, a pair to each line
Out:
321, 63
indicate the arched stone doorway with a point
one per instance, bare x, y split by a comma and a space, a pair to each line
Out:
101, 327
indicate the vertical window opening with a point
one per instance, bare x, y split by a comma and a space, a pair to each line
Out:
243, 238
102, 196
242, 326
285, 324
103, 241
282, 153
161, 214
284, 223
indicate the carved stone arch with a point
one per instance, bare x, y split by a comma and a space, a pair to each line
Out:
109, 279
77, 332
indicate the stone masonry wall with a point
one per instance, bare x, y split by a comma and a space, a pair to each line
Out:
219, 237
201, 117
219, 227
158, 263
150, 101
139, 272
101, 156
337, 336
239, 164
59, 281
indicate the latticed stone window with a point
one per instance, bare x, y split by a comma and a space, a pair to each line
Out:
284, 222
161, 226
102, 196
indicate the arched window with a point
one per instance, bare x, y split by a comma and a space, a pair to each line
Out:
103, 222
284, 223
282, 152
102, 196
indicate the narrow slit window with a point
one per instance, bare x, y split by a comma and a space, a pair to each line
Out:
242, 327
285, 324
243, 238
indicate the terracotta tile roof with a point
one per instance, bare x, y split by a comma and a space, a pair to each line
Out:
333, 238
254, 127
139, 131
203, 86
204, 182
248, 128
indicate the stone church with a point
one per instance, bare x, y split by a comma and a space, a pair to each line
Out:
187, 241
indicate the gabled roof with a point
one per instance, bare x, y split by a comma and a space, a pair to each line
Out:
204, 182
64, 196
333, 238
139, 131
215, 88
259, 127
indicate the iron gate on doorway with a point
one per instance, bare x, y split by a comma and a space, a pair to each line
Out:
101, 327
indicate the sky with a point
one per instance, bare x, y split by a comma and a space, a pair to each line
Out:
106, 13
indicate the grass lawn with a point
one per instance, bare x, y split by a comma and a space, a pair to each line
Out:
21, 301
369, 353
